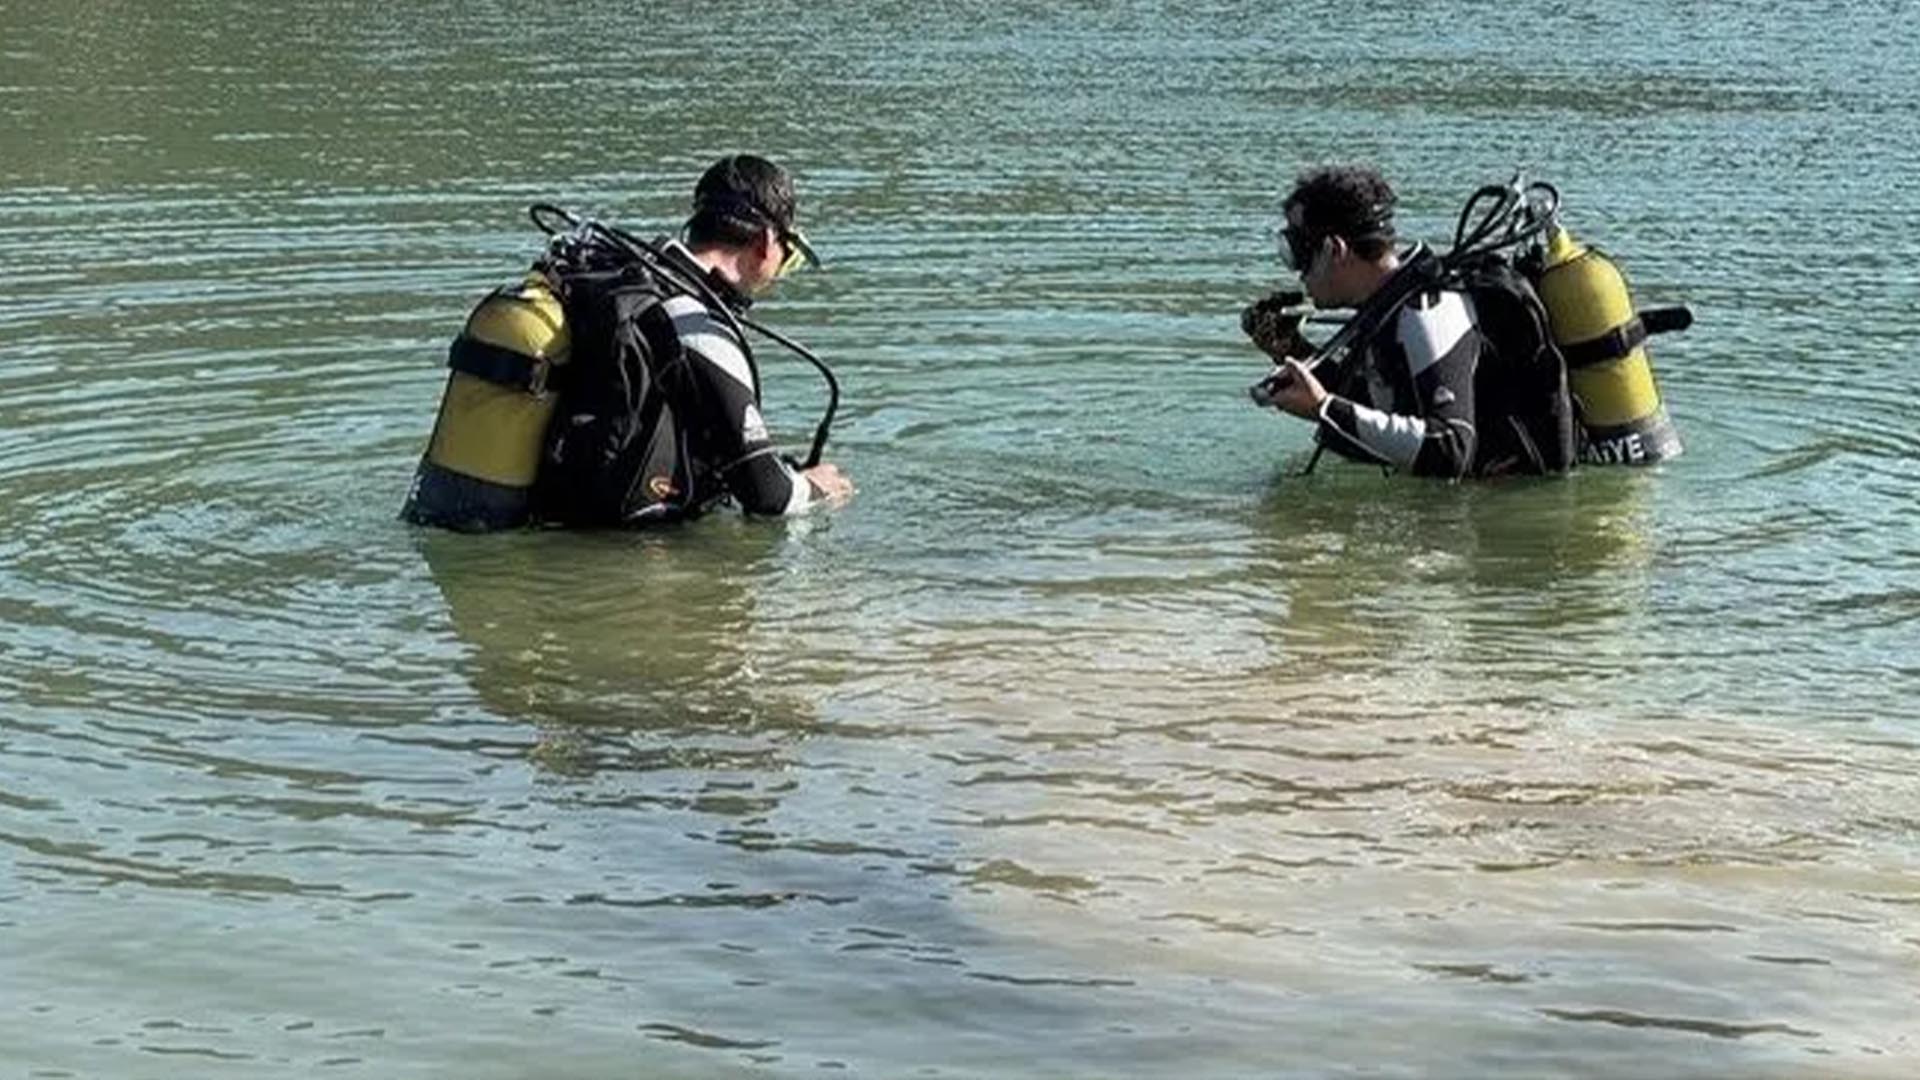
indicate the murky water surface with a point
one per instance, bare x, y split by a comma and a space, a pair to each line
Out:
1088, 741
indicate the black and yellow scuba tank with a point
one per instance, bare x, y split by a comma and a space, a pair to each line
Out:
1603, 340
479, 467
1590, 317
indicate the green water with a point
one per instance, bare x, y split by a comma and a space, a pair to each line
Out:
1088, 740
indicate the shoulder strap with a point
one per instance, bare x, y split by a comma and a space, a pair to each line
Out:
1422, 270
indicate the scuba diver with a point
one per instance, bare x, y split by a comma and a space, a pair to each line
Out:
1410, 404
1517, 351
615, 385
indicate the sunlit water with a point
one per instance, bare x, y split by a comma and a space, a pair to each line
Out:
1088, 740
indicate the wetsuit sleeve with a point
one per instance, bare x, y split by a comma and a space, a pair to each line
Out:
1432, 354
744, 455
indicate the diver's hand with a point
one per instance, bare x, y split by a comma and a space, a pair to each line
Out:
1273, 322
1294, 389
829, 482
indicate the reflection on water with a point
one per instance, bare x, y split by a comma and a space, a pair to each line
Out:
1510, 591
597, 639
1087, 740
560, 624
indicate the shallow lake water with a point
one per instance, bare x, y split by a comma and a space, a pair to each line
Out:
1089, 739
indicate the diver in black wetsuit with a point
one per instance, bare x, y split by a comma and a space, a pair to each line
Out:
1408, 403
741, 239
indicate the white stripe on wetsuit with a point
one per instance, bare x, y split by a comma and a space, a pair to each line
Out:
700, 335
1431, 331
1392, 438
1431, 328
695, 326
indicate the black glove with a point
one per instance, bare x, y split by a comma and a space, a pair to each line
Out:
1273, 322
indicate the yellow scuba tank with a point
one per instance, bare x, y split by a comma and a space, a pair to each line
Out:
1604, 341
478, 471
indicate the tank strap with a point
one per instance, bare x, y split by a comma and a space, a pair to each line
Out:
1611, 345
497, 365
1628, 336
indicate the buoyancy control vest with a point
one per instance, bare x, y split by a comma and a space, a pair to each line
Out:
1524, 415
617, 451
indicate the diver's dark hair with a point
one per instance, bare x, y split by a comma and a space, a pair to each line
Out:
1353, 202
738, 196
